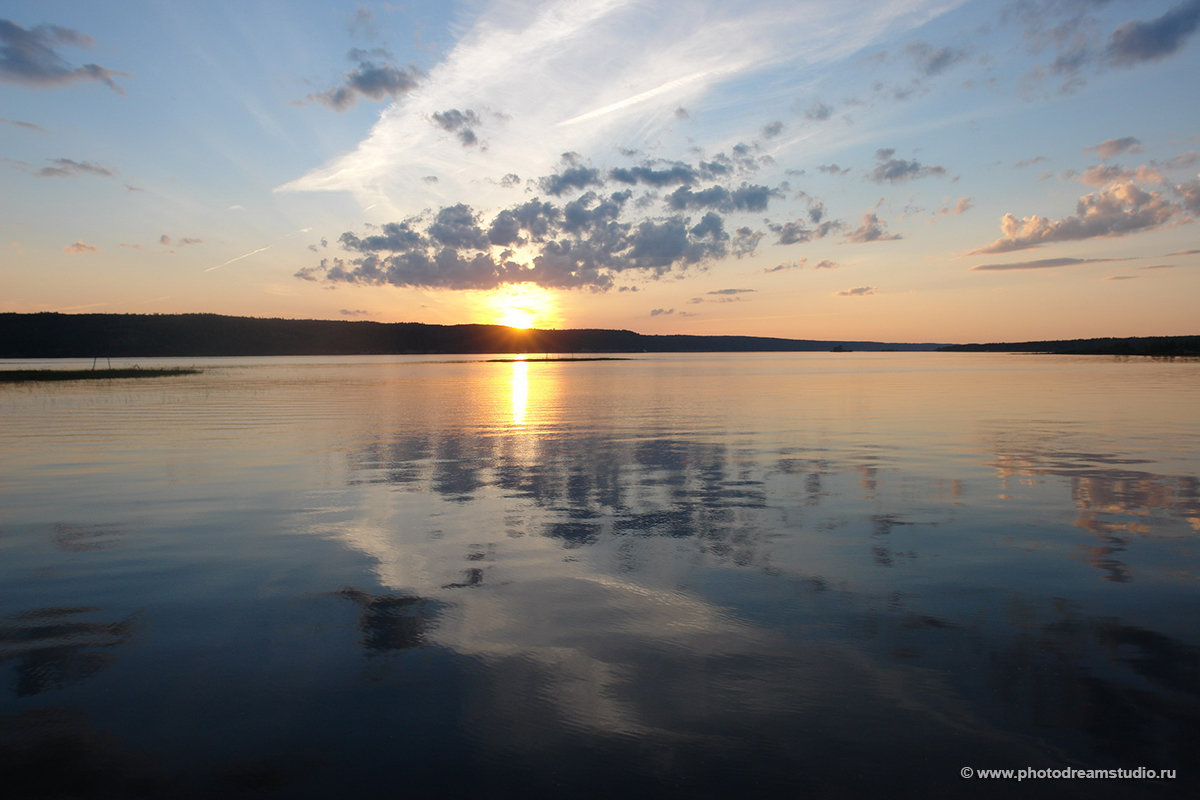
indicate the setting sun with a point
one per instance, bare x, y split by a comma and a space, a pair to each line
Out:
523, 306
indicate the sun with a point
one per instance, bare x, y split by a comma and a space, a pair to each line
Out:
518, 317
523, 305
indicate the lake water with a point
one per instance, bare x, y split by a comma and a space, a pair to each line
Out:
801, 575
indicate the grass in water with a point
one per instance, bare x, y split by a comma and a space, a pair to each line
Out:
27, 375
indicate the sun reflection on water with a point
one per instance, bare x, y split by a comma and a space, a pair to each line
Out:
520, 392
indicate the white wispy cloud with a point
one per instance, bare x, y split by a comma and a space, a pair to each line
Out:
586, 76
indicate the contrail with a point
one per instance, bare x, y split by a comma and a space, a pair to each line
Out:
238, 258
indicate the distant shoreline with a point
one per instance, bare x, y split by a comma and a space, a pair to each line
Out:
38, 375
1156, 346
54, 335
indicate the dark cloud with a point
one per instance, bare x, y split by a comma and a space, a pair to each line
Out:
430, 179
66, 168
573, 177
1136, 41
872, 229
797, 232
930, 60
673, 174
371, 80
731, 291
510, 180
656, 312
747, 197
353, 312
456, 227
1116, 210
1114, 147
825, 264
682, 113
858, 292
28, 58
1045, 263
833, 169
772, 129
583, 244
895, 170
460, 123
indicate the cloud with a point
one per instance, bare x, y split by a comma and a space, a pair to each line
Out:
818, 112
1045, 263
66, 168
833, 169
797, 232
1103, 174
1189, 194
895, 170
353, 312
861, 291
657, 312
369, 79
787, 265
872, 229
1114, 147
184, 242
29, 126
588, 242
28, 58
747, 197
1116, 210
731, 291
460, 123
771, 130
1136, 42
672, 174
825, 263
1029, 161
930, 60
1122, 277
1182, 161
587, 97
963, 205
80, 248
1184, 253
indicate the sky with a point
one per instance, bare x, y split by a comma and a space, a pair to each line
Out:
901, 170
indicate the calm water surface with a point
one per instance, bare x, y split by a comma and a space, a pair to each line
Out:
809, 575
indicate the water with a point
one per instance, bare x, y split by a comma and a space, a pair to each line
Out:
687, 575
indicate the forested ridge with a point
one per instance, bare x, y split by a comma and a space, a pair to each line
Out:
55, 335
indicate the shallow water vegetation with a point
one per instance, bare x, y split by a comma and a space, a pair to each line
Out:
30, 375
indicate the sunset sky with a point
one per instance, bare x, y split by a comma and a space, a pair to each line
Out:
913, 170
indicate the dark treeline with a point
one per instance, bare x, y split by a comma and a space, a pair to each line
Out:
1130, 346
52, 335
